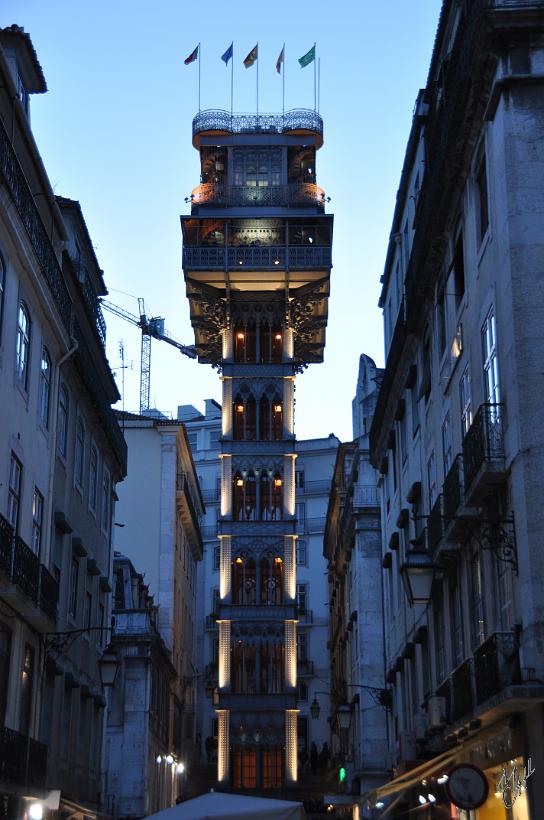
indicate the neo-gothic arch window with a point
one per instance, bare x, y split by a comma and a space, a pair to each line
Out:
257, 168
271, 417
244, 581
271, 338
244, 341
271, 579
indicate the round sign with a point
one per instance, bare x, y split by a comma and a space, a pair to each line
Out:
467, 786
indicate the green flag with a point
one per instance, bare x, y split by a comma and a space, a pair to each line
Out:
308, 58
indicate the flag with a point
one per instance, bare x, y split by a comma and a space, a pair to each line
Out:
192, 57
227, 55
279, 61
308, 58
252, 56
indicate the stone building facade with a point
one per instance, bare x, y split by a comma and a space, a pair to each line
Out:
457, 435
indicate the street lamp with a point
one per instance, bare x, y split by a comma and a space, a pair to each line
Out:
343, 716
108, 666
417, 573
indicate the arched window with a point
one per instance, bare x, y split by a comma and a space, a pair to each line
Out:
264, 418
62, 421
265, 512
45, 388
271, 571
244, 581
277, 344
238, 415
23, 343
277, 496
238, 497
250, 420
277, 420
243, 677
272, 667
244, 342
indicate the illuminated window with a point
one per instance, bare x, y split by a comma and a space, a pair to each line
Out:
23, 344
245, 771
272, 768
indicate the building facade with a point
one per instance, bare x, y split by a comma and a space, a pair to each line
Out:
314, 466
456, 433
142, 778
256, 260
352, 547
61, 456
158, 527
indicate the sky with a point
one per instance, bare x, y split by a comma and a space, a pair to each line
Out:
114, 131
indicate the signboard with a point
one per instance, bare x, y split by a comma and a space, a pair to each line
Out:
467, 786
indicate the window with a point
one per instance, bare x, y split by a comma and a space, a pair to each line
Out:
192, 439
79, 454
459, 271
216, 600
302, 553
88, 617
446, 443
216, 557
301, 515
215, 435
466, 401
425, 386
490, 360
23, 344
45, 388
302, 595
14, 493
27, 684
299, 479
93, 478
477, 602
105, 503
257, 169
62, 421
74, 581
441, 322
302, 647
302, 690
456, 620
431, 479
482, 200
37, 521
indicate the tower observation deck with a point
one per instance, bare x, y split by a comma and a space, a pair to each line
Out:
257, 260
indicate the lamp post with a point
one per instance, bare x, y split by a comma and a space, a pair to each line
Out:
417, 574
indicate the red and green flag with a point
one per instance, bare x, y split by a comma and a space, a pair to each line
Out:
192, 57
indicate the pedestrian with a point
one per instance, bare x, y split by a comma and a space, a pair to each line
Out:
314, 758
324, 757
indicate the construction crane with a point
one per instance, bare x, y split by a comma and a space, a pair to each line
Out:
151, 328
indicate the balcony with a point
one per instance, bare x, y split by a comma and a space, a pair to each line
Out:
365, 497
483, 452
315, 488
435, 526
256, 702
294, 195
496, 665
256, 256
461, 691
211, 495
456, 513
298, 120
23, 760
23, 569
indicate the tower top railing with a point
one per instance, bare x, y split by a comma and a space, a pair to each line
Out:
300, 119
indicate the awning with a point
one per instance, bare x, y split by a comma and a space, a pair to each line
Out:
407, 779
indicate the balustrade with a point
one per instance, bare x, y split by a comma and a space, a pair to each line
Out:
23, 760
453, 491
484, 442
296, 120
264, 256
461, 689
49, 593
496, 665
6, 545
26, 569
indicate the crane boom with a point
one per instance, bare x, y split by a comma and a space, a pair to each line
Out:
151, 328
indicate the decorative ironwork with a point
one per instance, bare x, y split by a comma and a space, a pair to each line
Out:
23, 760
6, 545
461, 690
14, 179
296, 120
365, 496
293, 194
49, 593
484, 442
93, 306
498, 535
496, 665
453, 491
256, 256
26, 569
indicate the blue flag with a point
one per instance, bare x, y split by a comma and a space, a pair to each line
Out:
227, 55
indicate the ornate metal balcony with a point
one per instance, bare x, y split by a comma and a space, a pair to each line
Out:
297, 120
6, 545
256, 256
435, 525
461, 690
23, 760
483, 450
292, 195
496, 665
48, 593
93, 306
365, 496
26, 569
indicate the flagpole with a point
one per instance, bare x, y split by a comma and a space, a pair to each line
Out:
199, 58
315, 92
257, 83
232, 81
318, 84
283, 84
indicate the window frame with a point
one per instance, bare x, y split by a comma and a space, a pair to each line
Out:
15, 492
44, 390
37, 521
79, 454
465, 399
92, 495
22, 345
490, 359
63, 413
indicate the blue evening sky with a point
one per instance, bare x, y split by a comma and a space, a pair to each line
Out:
114, 132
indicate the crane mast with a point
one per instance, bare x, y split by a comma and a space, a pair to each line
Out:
151, 328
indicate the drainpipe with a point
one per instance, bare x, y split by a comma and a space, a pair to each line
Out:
54, 415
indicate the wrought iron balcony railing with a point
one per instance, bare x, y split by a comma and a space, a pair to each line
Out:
297, 120
256, 256
453, 490
294, 194
365, 496
23, 760
484, 442
93, 306
461, 690
496, 665
23, 568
